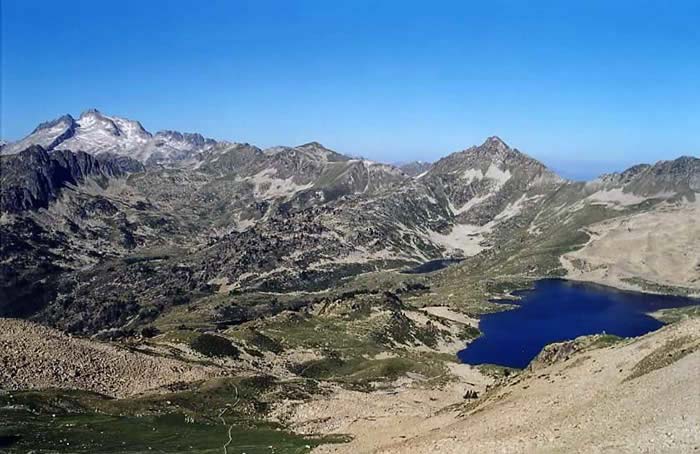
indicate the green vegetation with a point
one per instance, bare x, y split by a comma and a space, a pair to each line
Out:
89, 433
294, 331
496, 371
259, 340
361, 373
677, 314
605, 340
469, 333
214, 346
178, 422
654, 287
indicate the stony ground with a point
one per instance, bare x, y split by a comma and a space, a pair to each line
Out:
639, 395
661, 246
33, 357
383, 416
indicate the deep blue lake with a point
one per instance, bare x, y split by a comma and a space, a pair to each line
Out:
557, 310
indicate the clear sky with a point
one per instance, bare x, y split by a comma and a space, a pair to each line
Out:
585, 86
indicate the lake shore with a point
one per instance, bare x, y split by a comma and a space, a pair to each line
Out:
535, 411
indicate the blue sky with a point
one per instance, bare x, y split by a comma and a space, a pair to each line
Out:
585, 86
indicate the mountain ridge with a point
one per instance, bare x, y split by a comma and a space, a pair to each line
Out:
95, 132
169, 147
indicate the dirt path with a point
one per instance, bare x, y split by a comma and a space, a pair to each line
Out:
223, 421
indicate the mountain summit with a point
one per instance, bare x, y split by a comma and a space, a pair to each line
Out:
495, 143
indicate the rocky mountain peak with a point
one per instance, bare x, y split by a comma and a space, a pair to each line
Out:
93, 119
415, 168
495, 143
662, 180
117, 126
48, 135
318, 151
313, 144
64, 121
91, 112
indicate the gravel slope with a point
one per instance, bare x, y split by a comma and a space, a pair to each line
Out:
637, 396
33, 357
661, 246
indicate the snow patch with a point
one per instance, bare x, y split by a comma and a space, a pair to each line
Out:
474, 201
493, 173
472, 175
618, 197
463, 237
498, 175
422, 174
266, 186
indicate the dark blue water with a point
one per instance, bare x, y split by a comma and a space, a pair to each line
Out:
557, 310
432, 265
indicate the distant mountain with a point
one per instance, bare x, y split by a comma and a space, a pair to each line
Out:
482, 181
95, 132
280, 172
47, 135
665, 179
415, 168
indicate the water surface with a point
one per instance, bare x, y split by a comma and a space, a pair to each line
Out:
432, 265
557, 310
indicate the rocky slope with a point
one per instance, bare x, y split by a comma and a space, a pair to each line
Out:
415, 169
637, 396
36, 357
33, 178
656, 250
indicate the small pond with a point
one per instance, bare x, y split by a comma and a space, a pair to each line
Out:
432, 265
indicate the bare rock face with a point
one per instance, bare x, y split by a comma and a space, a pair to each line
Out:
681, 176
664, 180
34, 177
557, 352
33, 356
415, 168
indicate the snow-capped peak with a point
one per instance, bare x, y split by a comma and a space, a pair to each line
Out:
95, 132
48, 135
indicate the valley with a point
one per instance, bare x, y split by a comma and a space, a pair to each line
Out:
154, 284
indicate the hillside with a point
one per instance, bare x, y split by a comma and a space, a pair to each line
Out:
635, 396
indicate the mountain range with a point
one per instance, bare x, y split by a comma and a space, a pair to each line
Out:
105, 223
